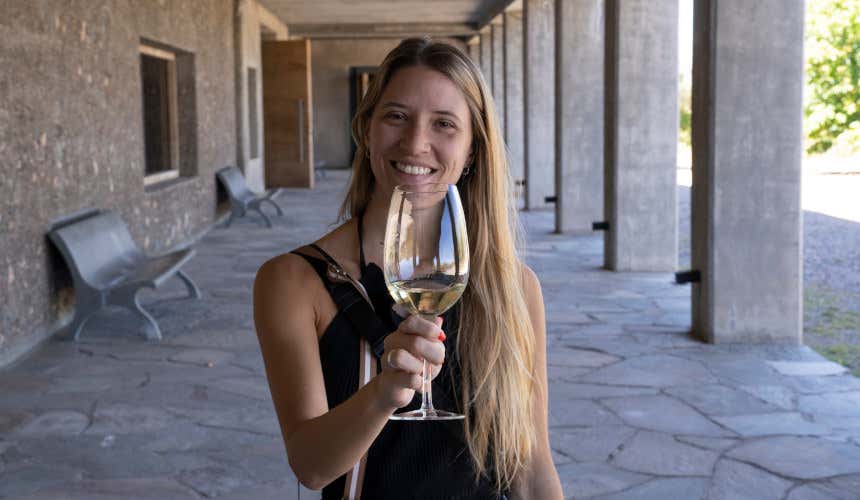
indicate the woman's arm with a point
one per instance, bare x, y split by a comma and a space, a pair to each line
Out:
540, 480
321, 444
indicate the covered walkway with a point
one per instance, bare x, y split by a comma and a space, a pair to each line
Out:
638, 409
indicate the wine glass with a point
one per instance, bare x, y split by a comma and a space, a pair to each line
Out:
426, 263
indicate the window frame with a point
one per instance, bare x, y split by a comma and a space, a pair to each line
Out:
172, 172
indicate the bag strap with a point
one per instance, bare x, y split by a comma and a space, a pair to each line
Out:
351, 298
347, 294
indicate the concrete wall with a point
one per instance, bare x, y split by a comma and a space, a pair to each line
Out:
331, 60
71, 137
250, 16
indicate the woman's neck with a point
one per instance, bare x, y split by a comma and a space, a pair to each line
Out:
373, 222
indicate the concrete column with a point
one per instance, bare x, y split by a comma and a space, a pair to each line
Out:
248, 58
747, 140
514, 101
641, 133
250, 20
539, 89
579, 54
487, 56
498, 34
474, 46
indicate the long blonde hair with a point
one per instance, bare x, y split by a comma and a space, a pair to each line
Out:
496, 349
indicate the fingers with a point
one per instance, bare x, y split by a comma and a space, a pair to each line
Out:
415, 325
407, 380
420, 338
417, 348
401, 359
396, 388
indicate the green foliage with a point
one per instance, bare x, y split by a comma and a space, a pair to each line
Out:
845, 354
686, 112
830, 327
824, 315
833, 71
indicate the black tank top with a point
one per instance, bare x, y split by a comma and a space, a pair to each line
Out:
420, 460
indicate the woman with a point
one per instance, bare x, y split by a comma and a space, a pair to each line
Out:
427, 117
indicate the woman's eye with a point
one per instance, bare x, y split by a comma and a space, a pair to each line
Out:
446, 124
395, 116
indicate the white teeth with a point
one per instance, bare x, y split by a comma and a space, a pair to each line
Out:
412, 169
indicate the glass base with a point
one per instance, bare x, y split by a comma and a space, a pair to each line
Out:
426, 415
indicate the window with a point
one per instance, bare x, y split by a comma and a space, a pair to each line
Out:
169, 116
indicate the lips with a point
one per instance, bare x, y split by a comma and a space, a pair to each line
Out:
411, 169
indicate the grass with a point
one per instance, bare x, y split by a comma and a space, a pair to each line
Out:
847, 355
830, 328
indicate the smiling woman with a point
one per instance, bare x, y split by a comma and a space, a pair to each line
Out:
426, 118
420, 131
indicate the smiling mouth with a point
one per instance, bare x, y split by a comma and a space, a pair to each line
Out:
410, 169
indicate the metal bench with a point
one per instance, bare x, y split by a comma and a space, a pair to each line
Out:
109, 269
242, 198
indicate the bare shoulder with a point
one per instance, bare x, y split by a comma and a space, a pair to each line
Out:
534, 303
531, 284
287, 298
289, 271
282, 274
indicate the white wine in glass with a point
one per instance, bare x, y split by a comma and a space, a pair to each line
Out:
426, 263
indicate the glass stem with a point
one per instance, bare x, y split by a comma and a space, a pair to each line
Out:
426, 378
426, 388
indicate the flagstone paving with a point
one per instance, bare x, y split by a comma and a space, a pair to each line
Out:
638, 408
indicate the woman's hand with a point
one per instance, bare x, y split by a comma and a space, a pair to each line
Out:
416, 339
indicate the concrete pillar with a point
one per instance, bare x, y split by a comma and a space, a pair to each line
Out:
498, 35
487, 56
539, 89
250, 21
747, 140
474, 47
514, 101
641, 133
579, 54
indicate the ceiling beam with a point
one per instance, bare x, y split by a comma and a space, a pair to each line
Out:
493, 9
378, 30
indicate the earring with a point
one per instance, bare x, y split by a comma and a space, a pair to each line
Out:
367, 153
467, 170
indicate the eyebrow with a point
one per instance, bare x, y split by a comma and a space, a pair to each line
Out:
393, 104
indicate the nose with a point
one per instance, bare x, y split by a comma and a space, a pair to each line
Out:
415, 139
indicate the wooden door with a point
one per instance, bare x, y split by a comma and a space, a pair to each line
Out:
287, 116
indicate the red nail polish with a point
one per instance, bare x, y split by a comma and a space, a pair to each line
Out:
442, 337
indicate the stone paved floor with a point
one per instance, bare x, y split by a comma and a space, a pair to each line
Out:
638, 409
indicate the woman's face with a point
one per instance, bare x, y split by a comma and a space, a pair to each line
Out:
420, 131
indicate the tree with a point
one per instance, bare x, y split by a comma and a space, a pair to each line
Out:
833, 71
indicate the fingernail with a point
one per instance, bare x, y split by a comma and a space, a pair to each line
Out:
442, 337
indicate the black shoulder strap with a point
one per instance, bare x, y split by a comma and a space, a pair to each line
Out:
319, 265
350, 301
